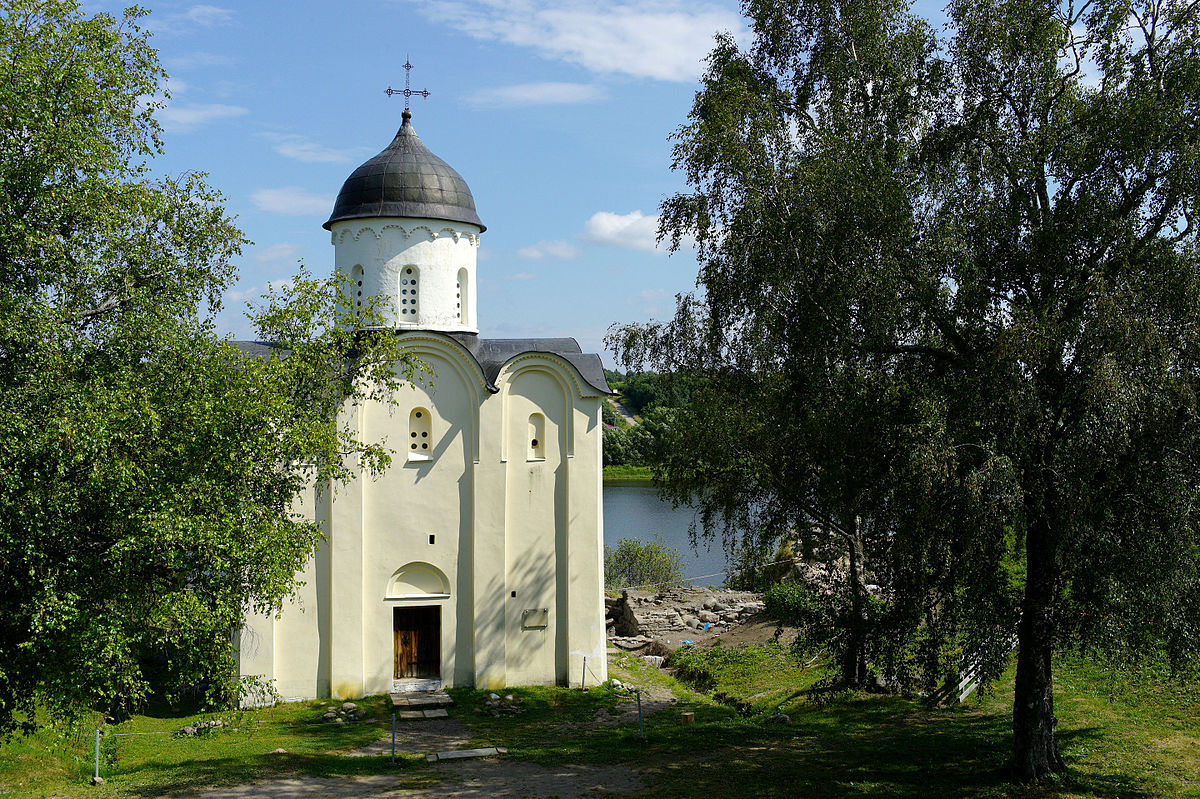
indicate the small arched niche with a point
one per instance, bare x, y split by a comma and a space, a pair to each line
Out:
420, 435
537, 438
418, 581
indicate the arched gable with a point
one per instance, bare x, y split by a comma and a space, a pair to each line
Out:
553, 366
465, 367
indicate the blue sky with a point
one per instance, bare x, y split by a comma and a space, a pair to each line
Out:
556, 113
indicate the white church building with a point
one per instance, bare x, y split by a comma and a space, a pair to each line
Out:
476, 558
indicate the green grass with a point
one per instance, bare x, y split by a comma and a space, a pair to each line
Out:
1122, 735
60, 763
755, 679
627, 474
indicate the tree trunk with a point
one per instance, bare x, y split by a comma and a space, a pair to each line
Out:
854, 658
1035, 750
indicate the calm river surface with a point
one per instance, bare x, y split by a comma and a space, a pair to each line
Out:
633, 510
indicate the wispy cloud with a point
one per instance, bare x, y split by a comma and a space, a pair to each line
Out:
276, 253
291, 201
521, 276
634, 230
547, 93
186, 117
549, 249
197, 59
197, 16
661, 39
293, 145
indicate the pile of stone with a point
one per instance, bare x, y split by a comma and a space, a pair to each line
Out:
496, 705
199, 728
347, 712
637, 617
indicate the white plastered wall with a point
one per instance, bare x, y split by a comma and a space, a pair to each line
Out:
443, 253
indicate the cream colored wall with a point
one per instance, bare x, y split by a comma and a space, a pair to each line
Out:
415, 499
534, 521
501, 522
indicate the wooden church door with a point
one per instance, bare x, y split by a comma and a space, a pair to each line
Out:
417, 639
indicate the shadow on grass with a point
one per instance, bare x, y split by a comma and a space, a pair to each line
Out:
190, 776
856, 746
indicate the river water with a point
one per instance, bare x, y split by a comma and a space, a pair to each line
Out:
633, 510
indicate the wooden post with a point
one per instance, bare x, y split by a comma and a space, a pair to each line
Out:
687, 718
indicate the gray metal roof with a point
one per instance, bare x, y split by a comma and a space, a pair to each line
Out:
492, 353
405, 180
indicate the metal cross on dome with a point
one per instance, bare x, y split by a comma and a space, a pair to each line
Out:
406, 91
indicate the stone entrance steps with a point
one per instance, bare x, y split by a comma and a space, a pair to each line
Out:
424, 705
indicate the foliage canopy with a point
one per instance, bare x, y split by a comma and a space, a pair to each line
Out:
634, 563
147, 466
951, 291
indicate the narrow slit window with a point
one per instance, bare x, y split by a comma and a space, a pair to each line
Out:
461, 296
408, 293
537, 437
420, 435
356, 287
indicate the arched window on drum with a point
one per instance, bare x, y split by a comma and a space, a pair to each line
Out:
461, 299
356, 287
407, 294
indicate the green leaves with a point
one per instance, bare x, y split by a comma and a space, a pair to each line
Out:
949, 288
148, 468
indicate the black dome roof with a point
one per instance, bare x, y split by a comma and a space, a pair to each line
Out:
405, 180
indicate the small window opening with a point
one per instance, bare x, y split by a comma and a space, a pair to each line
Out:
514, 593
431, 536
536, 437
420, 432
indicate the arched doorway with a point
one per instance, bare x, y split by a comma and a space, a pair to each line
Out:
419, 589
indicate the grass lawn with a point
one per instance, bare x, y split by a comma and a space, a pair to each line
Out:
137, 759
1121, 738
627, 474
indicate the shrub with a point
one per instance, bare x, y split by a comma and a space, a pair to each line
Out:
637, 563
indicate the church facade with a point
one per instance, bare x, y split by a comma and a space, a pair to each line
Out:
477, 557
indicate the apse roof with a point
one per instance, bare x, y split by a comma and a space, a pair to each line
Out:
405, 180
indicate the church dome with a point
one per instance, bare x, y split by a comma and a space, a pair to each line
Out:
405, 180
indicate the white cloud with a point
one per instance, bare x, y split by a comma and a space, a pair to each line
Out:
292, 145
521, 276
276, 253
634, 230
291, 201
197, 16
187, 117
547, 93
197, 59
208, 16
661, 39
549, 249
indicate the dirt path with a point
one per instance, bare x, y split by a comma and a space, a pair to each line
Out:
423, 737
622, 411
467, 779
463, 779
